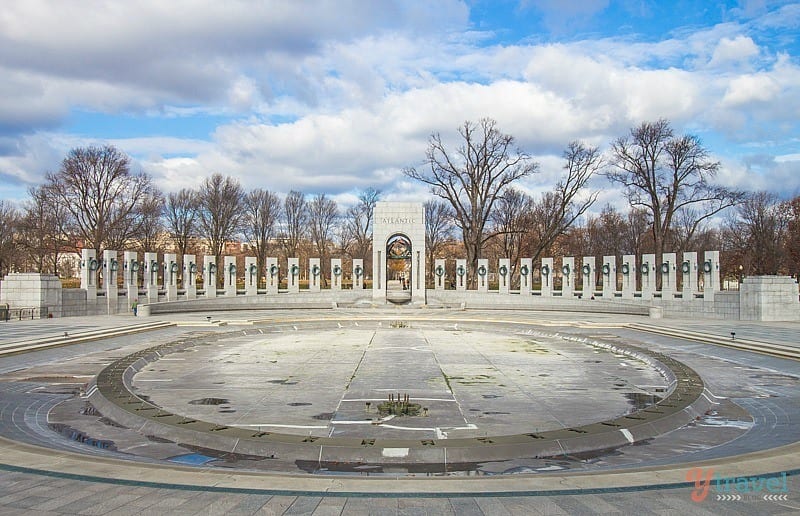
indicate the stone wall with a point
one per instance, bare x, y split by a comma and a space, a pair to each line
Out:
32, 290
726, 304
494, 300
73, 302
769, 298
761, 298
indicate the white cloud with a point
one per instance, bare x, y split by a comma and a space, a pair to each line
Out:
762, 172
750, 88
243, 94
734, 51
593, 99
147, 53
358, 96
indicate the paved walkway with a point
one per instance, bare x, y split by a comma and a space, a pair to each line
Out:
785, 333
35, 480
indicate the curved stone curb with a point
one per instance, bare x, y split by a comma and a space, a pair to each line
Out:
13, 348
111, 394
776, 350
34, 460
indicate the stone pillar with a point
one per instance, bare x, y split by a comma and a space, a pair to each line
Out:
273, 276
649, 272
251, 276
589, 276
567, 277
358, 274
461, 275
336, 273
689, 275
439, 274
210, 276
130, 269
418, 271
110, 268
378, 272
189, 282
546, 275
525, 272
293, 275
89, 266
314, 275
668, 276
399, 219
33, 290
628, 276
231, 273
768, 298
151, 270
609, 273
711, 282
171, 269
504, 276
483, 275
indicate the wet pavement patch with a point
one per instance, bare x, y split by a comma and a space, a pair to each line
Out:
58, 389
89, 410
109, 422
156, 439
640, 400
192, 459
81, 437
209, 401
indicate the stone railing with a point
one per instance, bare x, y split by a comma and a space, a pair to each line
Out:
684, 287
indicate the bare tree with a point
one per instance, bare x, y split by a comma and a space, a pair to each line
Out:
438, 230
322, 218
104, 199
793, 238
472, 177
637, 232
607, 232
665, 174
357, 225
9, 225
43, 229
758, 232
152, 226
295, 217
511, 222
556, 211
220, 211
262, 211
180, 216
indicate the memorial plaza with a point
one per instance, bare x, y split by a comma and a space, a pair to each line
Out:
653, 390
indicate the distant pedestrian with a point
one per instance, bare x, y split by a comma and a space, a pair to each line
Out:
135, 307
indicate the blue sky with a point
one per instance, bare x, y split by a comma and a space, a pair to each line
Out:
337, 96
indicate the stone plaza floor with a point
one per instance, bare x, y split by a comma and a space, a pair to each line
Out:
305, 370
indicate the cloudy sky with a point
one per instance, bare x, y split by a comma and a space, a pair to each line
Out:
335, 96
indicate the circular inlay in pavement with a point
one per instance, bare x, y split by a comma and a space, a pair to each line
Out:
487, 392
